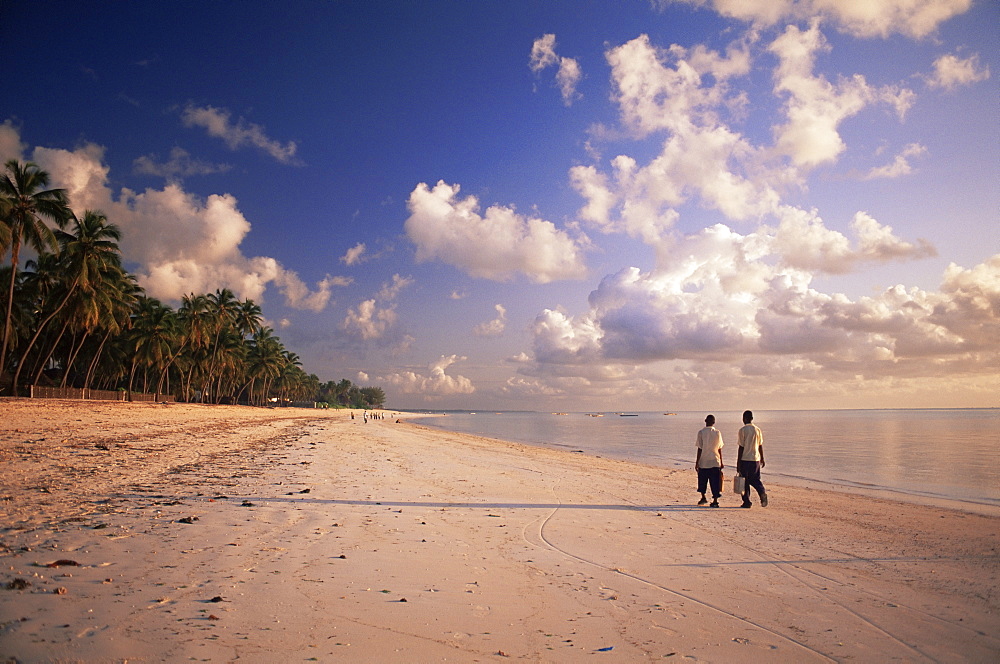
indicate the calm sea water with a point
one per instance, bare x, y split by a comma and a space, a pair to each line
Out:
946, 455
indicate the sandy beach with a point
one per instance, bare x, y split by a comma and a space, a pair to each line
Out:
172, 532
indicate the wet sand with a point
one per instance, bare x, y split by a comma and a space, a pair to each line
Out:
149, 532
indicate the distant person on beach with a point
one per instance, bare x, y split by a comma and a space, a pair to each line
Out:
709, 461
750, 459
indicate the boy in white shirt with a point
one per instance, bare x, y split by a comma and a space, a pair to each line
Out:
708, 462
750, 459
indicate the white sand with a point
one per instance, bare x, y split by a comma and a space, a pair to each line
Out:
328, 539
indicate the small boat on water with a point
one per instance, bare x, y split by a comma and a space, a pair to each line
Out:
628, 415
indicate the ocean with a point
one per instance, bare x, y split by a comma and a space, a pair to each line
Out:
943, 455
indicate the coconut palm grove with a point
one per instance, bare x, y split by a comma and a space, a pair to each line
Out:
73, 316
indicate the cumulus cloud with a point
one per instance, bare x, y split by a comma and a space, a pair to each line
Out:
495, 327
722, 308
871, 18
372, 319
368, 320
436, 383
391, 290
568, 74
684, 93
218, 123
354, 255
727, 308
950, 72
11, 146
182, 243
804, 242
178, 166
815, 107
298, 295
899, 166
496, 245
675, 88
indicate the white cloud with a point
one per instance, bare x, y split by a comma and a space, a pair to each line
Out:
653, 96
11, 146
683, 93
720, 305
297, 294
900, 165
519, 387
373, 319
436, 383
179, 166
369, 321
568, 75
725, 309
950, 72
814, 106
217, 122
181, 242
881, 18
861, 18
354, 255
390, 291
543, 53
496, 245
495, 327
804, 242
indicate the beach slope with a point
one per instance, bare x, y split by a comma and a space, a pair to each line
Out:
153, 532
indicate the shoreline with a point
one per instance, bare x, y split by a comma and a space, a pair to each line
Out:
987, 506
223, 532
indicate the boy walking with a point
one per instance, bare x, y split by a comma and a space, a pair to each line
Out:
709, 461
750, 459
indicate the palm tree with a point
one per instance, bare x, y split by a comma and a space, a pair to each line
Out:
117, 319
248, 318
195, 320
265, 362
93, 308
24, 202
155, 335
224, 305
92, 249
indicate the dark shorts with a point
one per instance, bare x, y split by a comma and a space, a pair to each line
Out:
713, 476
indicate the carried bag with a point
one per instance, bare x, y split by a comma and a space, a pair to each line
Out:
739, 484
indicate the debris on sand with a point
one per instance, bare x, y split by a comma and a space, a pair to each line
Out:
64, 562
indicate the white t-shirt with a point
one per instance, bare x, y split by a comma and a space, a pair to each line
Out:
750, 439
710, 443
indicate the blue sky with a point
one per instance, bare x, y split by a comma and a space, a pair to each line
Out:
550, 205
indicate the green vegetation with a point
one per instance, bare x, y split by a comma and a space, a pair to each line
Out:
74, 317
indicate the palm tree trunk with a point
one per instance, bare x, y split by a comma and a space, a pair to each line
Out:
73, 356
131, 377
40, 366
17, 372
15, 250
97, 357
